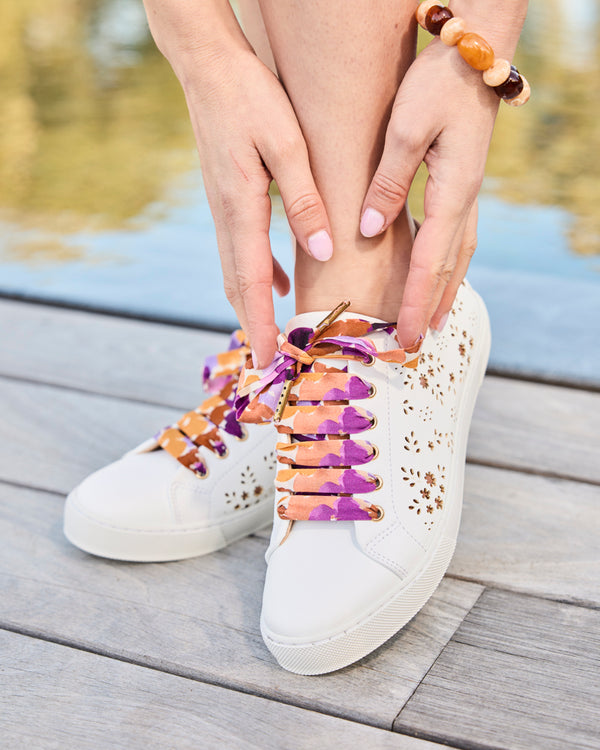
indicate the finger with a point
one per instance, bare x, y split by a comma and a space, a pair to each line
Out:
254, 274
431, 262
230, 284
450, 265
403, 152
467, 248
281, 280
221, 218
288, 162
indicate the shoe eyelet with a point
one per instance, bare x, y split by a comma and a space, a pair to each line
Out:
378, 482
380, 513
373, 422
372, 390
202, 476
375, 453
370, 362
224, 454
244, 435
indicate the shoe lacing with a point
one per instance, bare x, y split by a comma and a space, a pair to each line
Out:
309, 401
203, 427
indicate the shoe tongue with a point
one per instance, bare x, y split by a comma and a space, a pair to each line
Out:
312, 319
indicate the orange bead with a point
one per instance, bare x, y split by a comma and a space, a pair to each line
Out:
476, 51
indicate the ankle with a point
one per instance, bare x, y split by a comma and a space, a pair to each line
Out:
370, 273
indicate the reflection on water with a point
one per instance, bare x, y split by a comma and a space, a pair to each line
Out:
94, 129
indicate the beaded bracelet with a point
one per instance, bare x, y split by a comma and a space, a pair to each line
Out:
498, 73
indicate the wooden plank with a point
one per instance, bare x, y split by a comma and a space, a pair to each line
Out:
104, 354
530, 534
520, 531
540, 427
52, 438
519, 673
516, 424
197, 618
56, 697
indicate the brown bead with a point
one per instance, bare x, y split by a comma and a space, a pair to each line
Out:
476, 51
512, 86
423, 9
436, 17
521, 98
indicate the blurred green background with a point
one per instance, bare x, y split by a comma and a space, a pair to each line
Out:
101, 202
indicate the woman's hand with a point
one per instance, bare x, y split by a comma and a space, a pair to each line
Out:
443, 115
247, 135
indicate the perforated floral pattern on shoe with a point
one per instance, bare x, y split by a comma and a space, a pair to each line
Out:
251, 491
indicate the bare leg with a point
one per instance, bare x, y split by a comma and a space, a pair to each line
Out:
341, 64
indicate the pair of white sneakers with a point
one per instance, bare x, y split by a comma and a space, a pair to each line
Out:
371, 443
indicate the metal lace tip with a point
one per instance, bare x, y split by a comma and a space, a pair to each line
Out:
283, 400
335, 313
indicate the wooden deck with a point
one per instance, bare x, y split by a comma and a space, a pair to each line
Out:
99, 654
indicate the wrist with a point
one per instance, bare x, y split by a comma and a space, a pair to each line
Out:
491, 54
198, 39
499, 23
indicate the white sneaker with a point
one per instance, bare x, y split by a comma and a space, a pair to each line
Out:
194, 488
378, 447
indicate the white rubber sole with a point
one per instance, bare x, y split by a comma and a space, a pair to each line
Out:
389, 617
136, 545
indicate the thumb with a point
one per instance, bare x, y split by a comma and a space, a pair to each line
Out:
386, 196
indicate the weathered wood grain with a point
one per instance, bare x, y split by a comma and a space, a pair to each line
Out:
518, 424
519, 673
537, 427
197, 618
52, 437
531, 534
104, 354
54, 697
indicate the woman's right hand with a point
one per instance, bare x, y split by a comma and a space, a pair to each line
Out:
247, 134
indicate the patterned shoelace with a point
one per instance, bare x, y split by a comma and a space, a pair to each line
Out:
309, 401
202, 428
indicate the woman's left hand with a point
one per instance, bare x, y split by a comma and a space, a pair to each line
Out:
443, 115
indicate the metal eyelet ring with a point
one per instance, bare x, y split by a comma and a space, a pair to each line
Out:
202, 476
373, 422
372, 390
224, 454
244, 434
375, 453
370, 362
380, 513
378, 482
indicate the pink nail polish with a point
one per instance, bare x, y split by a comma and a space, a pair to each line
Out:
254, 360
320, 245
371, 222
440, 326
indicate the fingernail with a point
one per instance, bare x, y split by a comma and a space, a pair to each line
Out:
440, 326
371, 222
415, 344
320, 245
254, 360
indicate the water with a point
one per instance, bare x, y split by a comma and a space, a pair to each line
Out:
101, 199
